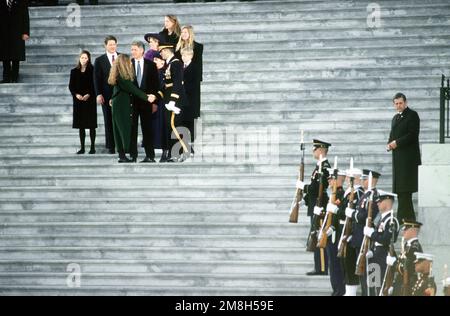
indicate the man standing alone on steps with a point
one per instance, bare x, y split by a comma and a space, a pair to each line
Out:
14, 31
404, 144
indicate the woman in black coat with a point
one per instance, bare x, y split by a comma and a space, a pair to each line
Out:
84, 103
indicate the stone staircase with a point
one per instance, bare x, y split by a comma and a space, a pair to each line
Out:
210, 226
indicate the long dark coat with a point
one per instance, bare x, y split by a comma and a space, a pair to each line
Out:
13, 24
406, 157
192, 88
84, 112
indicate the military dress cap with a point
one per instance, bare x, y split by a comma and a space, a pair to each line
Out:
375, 174
320, 144
423, 256
384, 195
410, 223
156, 36
339, 173
165, 45
355, 172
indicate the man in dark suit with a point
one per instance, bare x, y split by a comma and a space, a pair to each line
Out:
404, 144
14, 31
147, 79
103, 90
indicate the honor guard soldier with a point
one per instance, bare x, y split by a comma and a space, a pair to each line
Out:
348, 254
173, 95
406, 275
385, 230
336, 178
359, 216
320, 151
425, 284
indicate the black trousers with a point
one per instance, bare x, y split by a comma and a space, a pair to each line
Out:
109, 134
172, 144
336, 272
144, 112
405, 208
349, 265
377, 275
11, 70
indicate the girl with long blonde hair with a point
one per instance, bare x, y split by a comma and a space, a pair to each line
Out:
187, 40
121, 78
171, 31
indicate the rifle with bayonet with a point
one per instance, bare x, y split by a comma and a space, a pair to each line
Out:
361, 262
347, 229
388, 280
311, 244
295, 206
327, 222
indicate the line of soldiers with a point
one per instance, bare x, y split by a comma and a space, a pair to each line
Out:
353, 233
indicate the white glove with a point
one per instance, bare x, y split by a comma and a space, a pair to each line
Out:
368, 231
347, 192
331, 208
170, 106
318, 210
391, 291
176, 110
369, 254
349, 212
330, 231
300, 185
390, 260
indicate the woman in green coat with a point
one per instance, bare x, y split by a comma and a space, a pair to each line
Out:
121, 78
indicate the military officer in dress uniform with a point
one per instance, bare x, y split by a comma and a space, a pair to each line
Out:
348, 261
320, 151
381, 235
406, 276
174, 98
359, 217
425, 284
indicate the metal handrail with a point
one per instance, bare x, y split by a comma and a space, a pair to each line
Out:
444, 116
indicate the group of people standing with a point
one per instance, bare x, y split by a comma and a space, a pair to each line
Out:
159, 87
357, 223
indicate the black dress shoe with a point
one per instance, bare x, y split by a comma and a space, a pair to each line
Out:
164, 156
124, 160
147, 159
133, 159
5, 81
80, 152
92, 151
311, 273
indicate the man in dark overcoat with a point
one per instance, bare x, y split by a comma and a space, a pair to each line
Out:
404, 144
14, 31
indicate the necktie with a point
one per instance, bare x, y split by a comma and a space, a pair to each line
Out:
113, 58
139, 73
